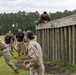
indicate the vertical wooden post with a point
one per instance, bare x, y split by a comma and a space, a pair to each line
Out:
38, 36
56, 56
45, 44
58, 44
43, 38
73, 44
66, 51
70, 45
53, 48
62, 44
48, 34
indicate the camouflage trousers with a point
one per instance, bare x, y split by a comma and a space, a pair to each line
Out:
10, 50
6, 54
37, 71
21, 47
12, 46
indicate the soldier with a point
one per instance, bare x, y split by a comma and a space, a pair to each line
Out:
25, 45
7, 40
12, 41
4, 51
44, 18
20, 39
35, 62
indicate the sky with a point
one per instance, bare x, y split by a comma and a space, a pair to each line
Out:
36, 5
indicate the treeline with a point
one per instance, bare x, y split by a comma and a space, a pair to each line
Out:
25, 21
58, 14
13, 21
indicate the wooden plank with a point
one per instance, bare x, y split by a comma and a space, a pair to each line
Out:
53, 47
62, 44
70, 45
58, 45
40, 37
43, 36
66, 51
37, 35
48, 34
73, 44
56, 56
45, 44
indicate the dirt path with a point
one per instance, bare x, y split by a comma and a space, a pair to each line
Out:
48, 69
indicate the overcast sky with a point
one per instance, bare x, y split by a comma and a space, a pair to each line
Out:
36, 5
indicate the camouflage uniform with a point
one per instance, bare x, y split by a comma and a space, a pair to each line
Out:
4, 51
20, 39
20, 47
35, 58
12, 42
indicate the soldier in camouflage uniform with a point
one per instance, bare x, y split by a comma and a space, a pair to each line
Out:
4, 51
43, 18
20, 44
7, 40
12, 41
35, 57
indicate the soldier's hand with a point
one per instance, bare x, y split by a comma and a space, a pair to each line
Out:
26, 64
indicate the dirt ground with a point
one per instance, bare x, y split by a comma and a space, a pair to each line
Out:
49, 69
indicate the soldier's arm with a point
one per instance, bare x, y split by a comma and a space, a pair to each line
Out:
32, 55
2, 44
48, 18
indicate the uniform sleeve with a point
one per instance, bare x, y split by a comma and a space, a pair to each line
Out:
48, 18
32, 55
2, 44
41, 18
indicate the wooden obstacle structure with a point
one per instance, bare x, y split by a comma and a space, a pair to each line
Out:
58, 39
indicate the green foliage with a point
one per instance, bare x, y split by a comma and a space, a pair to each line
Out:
25, 21
13, 21
58, 14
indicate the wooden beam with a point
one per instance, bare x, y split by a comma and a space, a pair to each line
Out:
73, 44
70, 45
62, 44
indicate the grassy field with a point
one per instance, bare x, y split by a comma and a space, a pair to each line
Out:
6, 70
